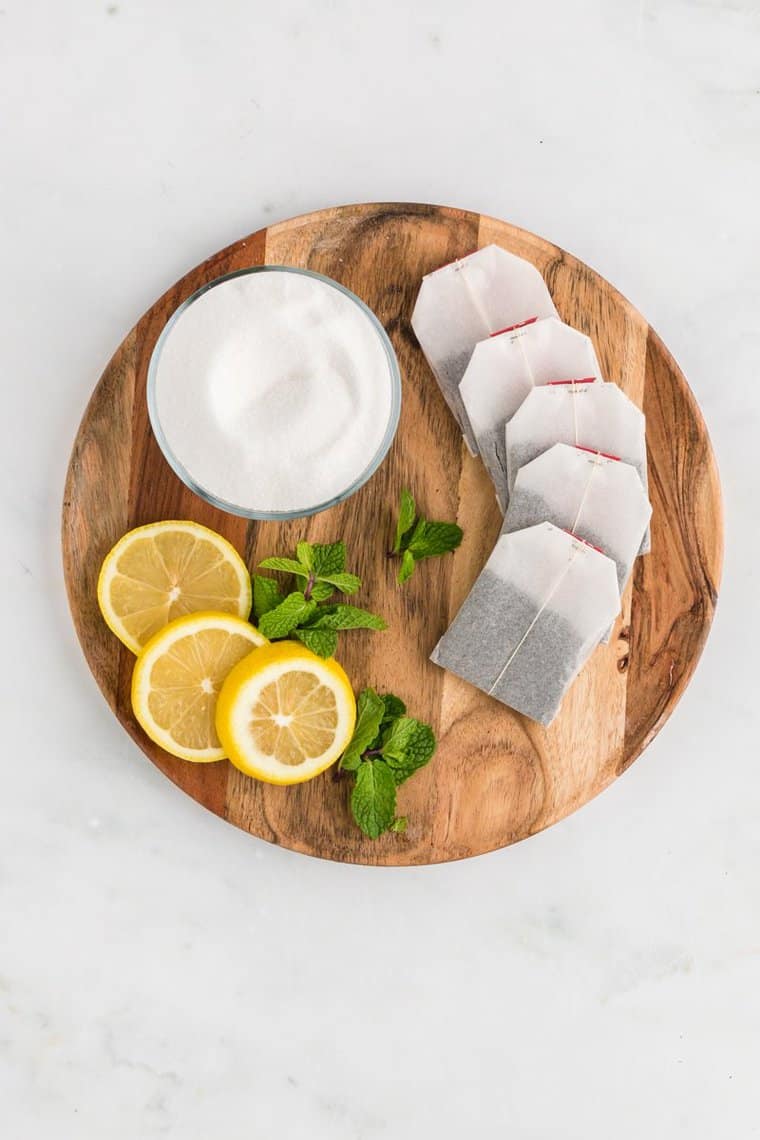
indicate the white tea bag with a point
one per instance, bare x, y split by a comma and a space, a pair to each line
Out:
466, 301
597, 416
539, 607
502, 371
599, 499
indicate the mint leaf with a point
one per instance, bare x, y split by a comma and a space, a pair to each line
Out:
304, 554
341, 616
373, 800
286, 565
328, 558
266, 595
406, 513
407, 746
321, 591
345, 583
284, 618
400, 823
323, 642
419, 528
406, 569
420, 539
369, 714
394, 707
434, 538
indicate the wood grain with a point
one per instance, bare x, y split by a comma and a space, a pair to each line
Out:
497, 777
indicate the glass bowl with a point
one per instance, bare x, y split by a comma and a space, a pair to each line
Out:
394, 380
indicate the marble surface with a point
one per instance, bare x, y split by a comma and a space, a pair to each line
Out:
164, 975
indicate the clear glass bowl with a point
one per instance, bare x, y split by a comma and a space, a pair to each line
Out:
394, 380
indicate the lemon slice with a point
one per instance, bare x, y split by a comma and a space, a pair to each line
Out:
177, 679
284, 714
160, 572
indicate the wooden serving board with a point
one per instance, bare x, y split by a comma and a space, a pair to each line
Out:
496, 777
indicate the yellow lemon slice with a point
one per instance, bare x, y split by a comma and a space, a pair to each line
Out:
177, 678
284, 714
160, 572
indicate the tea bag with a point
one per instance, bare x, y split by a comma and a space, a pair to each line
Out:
466, 301
598, 416
599, 499
539, 607
502, 371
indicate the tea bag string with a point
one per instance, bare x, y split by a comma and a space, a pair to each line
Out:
529, 630
594, 468
574, 395
519, 338
474, 298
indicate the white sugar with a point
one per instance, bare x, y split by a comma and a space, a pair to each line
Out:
273, 391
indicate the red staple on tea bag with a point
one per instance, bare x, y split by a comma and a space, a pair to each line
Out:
592, 451
511, 328
578, 538
584, 380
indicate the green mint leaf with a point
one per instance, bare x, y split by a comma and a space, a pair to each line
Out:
321, 591
323, 642
344, 583
286, 565
406, 569
416, 534
400, 823
407, 746
266, 595
283, 619
394, 708
328, 558
341, 616
434, 538
305, 555
407, 511
350, 760
369, 714
373, 800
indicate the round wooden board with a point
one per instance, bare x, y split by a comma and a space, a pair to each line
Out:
496, 777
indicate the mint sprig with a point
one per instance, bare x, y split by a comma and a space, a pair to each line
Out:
417, 538
319, 570
386, 749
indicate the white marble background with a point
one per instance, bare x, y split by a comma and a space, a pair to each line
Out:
162, 974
